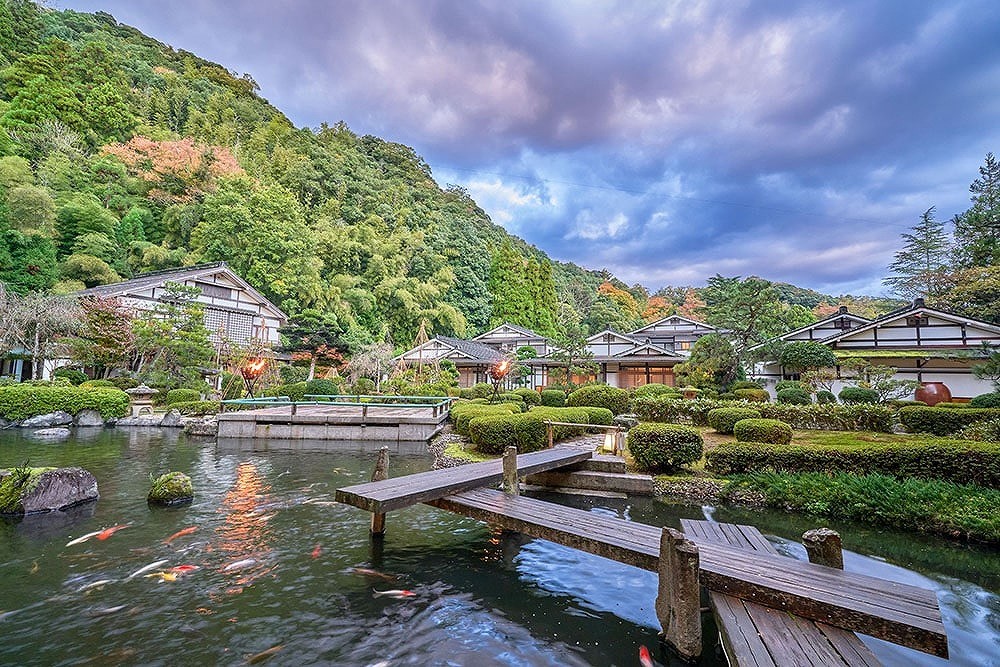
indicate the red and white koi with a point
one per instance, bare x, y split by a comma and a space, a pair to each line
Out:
146, 568
398, 594
83, 538
183, 569
645, 659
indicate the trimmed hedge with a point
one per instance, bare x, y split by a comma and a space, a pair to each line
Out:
824, 397
197, 407
753, 395
529, 396
787, 384
510, 397
90, 384
656, 389
322, 387
600, 396
831, 417
959, 462
746, 384
478, 390
723, 419
21, 401
763, 430
74, 375
553, 398
569, 415
599, 416
183, 396
854, 395
463, 412
991, 400
492, 434
295, 391
943, 421
794, 396
664, 447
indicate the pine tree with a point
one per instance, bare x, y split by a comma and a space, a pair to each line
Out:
977, 231
920, 267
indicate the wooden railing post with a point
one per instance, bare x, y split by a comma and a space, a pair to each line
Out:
380, 473
678, 602
824, 547
550, 433
510, 481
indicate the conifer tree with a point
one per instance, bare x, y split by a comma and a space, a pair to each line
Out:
977, 231
920, 267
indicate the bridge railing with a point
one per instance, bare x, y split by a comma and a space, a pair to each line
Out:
438, 406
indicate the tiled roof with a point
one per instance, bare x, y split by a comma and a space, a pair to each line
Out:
153, 278
472, 348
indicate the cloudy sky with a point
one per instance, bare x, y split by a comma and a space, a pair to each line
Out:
667, 141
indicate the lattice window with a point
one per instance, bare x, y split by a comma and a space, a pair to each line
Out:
215, 322
233, 326
216, 290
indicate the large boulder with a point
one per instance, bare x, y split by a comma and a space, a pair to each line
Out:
88, 417
172, 488
141, 420
207, 426
31, 490
57, 418
57, 433
172, 419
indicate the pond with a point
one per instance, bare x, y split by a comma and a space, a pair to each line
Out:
281, 565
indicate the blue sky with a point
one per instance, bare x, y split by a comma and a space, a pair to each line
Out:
665, 141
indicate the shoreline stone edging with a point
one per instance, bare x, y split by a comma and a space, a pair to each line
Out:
45, 490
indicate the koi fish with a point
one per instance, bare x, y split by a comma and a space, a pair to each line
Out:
84, 538
108, 532
34, 567
398, 594
163, 576
240, 564
184, 569
180, 533
146, 568
645, 659
107, 610
365, 572
317, 551
94, 584
264, 655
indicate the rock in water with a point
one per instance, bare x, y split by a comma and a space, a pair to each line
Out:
31, 490
171, 420
173, 488
88, 417
57, 418
57, 433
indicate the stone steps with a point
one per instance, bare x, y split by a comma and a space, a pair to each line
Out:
600, 463
595, 480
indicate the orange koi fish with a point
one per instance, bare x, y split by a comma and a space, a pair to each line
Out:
366, 572
264, 655
180, 533
645, 659
317, 551
108, 532
183, 569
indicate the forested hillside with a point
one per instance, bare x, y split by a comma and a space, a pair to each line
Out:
119, 155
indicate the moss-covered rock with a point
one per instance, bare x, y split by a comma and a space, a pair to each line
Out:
172, 488
31, 490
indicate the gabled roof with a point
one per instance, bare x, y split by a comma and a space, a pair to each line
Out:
652, 348
180, 274
471, 349
842, 312
901, 313
620, 336
666, 319
527, 333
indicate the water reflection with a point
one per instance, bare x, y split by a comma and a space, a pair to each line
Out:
244, 536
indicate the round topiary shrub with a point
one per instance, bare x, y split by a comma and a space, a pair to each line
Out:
773, 431
655, 389
492, 434
824, 397
787, 384
723, 419
600, 416
182, 396
322, 387
553, 398
529, 396
991, 400
794, 396
855, 395
745, 384
480, 390
172, 488
95, 384
75, 376
753, 395
664, 447
600, 396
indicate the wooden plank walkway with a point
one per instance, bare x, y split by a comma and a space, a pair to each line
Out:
896, 612
756, 636
399, 492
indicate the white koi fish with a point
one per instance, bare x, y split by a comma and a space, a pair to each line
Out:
240, 564
398, 594
146, 568
84, 538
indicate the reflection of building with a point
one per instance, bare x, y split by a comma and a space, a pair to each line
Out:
924, 344
234, 311
640, 357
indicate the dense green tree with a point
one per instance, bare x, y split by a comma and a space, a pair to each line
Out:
798, 356
105, 340
921, 266
15, 172
172, 345
89, 270
714, 363
27, 261
31, 210
751, 310
977, 231
82, 214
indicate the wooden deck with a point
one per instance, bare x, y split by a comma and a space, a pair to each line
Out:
335, 421
756, 636
896, 612
396, 493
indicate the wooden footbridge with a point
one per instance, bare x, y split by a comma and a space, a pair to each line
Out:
770, 609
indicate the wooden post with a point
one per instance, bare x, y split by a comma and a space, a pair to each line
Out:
380, 473
550, 432
824, 547
678, 603
510, 481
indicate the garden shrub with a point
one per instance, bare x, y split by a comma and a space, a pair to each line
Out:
74, 375
568, 415
943, 421
855, 395
727, 396
600, 396
363, 387
599, 416
763, 430
746, 384
295, 391
723, 419
322, 387
655, 389
23, 400
479, 390
513, 398
553, 398
197, 407
529, 396
93, 384
950, 405
954, 461
824, 397
900, 403
664, 447
492, 434
787, 384
125, 382
464, 411
983, 431
991, 400
794, 396
753, 395
182, 396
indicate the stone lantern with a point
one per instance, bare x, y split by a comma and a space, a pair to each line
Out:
142, 399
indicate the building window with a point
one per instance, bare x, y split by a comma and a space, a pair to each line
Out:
215, 290
918, 320
683, 345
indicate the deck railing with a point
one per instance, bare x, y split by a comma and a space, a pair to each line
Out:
438, 404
